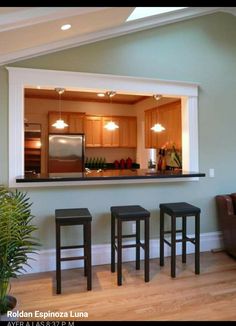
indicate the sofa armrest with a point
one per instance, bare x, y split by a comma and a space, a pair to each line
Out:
227, 222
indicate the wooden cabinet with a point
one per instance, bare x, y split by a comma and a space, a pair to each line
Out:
93, 131
93, 128
110, 138
75, 121
169, 116
52, 118
151, 138
124, 136
128, 132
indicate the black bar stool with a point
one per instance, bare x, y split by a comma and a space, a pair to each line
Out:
121, 214
183, 210
74, 216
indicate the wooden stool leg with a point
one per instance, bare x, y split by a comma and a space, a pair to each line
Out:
113, 230
173, 245
197, 244
161, 238
58, 258
119, 251
138, 244
146, 250
85, 249
88, 258
184, 239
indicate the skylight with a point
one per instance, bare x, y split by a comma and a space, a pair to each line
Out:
142, 12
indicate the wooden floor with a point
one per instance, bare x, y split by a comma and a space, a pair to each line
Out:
208, 296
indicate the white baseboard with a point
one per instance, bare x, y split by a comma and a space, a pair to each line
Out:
45, 260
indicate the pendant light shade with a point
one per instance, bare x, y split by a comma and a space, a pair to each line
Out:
60, 123
157, 126
111, 125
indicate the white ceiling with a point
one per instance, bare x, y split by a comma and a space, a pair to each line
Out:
30, 31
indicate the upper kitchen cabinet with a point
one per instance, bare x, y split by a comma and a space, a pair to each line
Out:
93, 131
96, 135
75, 121
110, 138
169, 116
151, 140
128, 132
53, 117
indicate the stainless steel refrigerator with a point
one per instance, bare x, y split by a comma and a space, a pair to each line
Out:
66, 153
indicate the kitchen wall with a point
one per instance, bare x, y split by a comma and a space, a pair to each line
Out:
201, 50
36, 109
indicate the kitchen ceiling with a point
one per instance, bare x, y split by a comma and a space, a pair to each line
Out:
31, 31
81, 96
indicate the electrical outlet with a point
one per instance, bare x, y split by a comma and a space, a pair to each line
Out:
211, 173
133, 228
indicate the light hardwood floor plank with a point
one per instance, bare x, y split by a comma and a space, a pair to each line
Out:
208, 296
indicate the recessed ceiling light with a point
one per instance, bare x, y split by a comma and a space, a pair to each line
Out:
65, 27
101, 94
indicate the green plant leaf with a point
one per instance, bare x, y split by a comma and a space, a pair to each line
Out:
16, 237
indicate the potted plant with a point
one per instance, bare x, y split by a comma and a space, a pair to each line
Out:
16, 241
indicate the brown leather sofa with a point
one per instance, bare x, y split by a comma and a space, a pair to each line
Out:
226, 211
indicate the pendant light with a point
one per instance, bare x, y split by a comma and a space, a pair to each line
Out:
157, 127
111, 125
60, 123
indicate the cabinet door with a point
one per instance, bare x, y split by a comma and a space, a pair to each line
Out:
76, 122
110, 138
128, 132
170, 118
151, 137
52, 118
93, 131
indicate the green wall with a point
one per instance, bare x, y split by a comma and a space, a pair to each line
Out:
201, 50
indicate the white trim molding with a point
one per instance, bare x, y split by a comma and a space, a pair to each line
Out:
45, 260
19, 78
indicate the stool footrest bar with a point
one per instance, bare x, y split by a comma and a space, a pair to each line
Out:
177, 231
73, 258
72, 247
142, 245
127, 236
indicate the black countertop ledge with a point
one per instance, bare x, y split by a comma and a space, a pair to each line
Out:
101, 175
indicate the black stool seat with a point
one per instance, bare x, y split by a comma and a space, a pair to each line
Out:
74, 216
130, 212
179, 209
120, 214
176, 210
71, 215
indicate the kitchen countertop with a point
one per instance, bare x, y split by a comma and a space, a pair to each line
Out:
119, 174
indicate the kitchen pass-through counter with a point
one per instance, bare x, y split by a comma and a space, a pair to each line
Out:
108, 175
